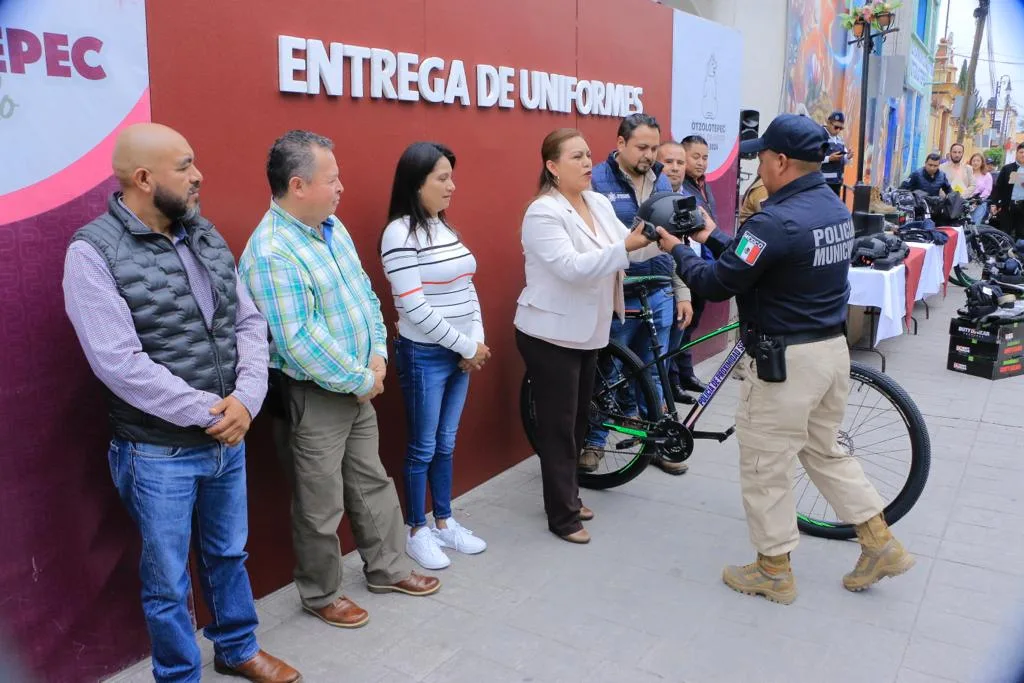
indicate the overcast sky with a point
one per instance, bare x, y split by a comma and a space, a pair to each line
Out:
1007, 43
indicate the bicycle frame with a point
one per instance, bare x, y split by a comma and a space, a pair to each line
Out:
660, 362
704, 400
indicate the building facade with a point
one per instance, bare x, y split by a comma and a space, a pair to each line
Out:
945, 92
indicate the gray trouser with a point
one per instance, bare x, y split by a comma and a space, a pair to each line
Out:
333, 462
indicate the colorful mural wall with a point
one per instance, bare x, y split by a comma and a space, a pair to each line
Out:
822, 72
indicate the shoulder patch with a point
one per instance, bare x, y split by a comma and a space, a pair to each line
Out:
749, 249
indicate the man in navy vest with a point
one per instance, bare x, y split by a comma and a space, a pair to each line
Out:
151, 290
628, 177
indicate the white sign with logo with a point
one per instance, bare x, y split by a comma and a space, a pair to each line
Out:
307, 65
71, 74
919, 68
706, 60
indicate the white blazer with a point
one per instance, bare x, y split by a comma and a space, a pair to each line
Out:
567, 267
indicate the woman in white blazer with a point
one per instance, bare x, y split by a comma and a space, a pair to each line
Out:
576, 250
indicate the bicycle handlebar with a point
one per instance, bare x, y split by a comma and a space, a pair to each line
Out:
647, 280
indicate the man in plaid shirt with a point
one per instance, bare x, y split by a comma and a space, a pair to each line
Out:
328, 354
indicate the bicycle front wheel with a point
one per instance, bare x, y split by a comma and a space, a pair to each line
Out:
886, 432
623, 410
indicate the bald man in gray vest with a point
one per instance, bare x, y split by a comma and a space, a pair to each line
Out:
151, 290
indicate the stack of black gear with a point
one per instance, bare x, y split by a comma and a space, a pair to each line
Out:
881, 251
987, 339
923, 231
1004, 270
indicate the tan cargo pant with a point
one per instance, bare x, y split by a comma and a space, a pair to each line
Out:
332, 460
780, 422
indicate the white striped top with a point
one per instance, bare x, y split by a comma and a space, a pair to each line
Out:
432, 284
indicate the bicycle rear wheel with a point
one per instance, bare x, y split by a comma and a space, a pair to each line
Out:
623, 410
886, 432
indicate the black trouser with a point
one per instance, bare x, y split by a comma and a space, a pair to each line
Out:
1012, 220
683, 363
837, 188
562, 381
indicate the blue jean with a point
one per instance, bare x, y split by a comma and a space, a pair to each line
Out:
434, 389
173, 493
634, 334
980, 214
681, 366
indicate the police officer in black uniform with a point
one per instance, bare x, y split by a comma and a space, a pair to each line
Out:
787, 268
837, 155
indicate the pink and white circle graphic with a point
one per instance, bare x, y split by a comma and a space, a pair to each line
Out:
72, 74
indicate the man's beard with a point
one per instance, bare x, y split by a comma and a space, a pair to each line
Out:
174, 208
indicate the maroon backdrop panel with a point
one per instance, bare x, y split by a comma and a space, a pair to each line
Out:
69, 591
231, 111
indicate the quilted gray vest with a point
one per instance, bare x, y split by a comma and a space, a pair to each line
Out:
150, 276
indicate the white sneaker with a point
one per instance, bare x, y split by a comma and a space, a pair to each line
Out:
423, 547
458, 537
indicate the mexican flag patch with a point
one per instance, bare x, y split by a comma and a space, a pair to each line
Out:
750, 248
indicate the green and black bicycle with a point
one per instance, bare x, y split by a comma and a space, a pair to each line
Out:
882, 426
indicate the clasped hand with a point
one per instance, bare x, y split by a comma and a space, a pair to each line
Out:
483, 354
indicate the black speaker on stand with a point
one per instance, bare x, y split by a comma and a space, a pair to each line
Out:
750, 122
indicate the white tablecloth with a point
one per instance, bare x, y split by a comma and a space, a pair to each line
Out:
960, 255
885, 290
932, 276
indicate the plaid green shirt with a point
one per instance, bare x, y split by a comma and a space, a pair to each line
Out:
324, 319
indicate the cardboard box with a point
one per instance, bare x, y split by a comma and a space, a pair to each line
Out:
985, 367
1008, 334
1001, 350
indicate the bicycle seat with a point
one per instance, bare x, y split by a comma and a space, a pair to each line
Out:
648, 282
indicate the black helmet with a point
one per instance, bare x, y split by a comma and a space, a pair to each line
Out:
985, 298
659, 208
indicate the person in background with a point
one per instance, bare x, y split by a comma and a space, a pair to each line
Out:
329, 353
440, 341
697, 154
170, 330
982, 186
629, 176
1008, 196
929, 179
672, 157
837, 155
959, 174
575, 249
752, 199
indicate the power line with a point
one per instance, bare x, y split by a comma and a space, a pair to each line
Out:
994, 61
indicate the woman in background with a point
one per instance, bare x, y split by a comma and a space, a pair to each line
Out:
440, 341
576, 250
982, 187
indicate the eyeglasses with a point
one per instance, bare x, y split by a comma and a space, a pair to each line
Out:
837, 128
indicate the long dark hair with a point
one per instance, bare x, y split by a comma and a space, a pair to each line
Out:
416, 163
550, 150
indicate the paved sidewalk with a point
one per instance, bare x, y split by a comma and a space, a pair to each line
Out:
644, 601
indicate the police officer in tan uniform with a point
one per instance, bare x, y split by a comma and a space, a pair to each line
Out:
787, 268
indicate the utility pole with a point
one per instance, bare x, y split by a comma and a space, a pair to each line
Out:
1003, 133
980, 14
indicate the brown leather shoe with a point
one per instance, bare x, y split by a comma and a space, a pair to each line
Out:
263, 668
582, 536
670, 467
342, 613
416, 584
586, 514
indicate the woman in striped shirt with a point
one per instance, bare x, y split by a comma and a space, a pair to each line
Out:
440, 342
